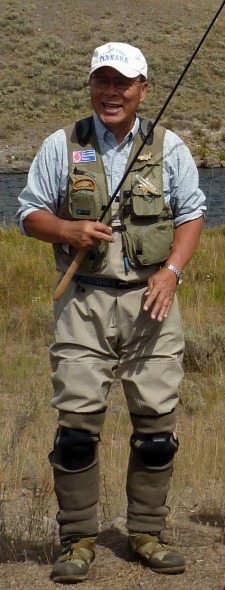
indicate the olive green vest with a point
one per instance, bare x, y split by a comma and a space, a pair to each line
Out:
146, 221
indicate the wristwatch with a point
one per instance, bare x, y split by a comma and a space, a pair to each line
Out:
177, 272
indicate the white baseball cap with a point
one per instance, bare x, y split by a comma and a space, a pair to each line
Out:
126, 59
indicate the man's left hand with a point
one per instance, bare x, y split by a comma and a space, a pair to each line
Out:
160, 293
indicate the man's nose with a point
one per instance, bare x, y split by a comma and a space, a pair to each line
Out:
112, 85
111, 91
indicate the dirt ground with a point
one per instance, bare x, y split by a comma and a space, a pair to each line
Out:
201, 542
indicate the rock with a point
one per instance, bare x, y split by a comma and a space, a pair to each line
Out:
198, 161
211, 161
15, 160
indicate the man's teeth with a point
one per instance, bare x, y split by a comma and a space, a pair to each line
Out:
111, 105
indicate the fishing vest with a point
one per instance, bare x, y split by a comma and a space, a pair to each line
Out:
146, 221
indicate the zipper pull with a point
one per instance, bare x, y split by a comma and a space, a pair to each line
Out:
125, 257
126, 264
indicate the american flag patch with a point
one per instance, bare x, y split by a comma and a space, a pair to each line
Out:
84, 156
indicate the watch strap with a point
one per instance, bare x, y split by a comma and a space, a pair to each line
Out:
177, 272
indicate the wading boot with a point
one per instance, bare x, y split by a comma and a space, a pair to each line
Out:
75, 561
154, 553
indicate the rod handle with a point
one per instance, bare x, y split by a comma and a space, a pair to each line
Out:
65, 281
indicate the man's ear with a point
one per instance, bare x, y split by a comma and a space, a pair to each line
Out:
144, 90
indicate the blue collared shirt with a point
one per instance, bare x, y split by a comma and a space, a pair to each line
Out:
48, 176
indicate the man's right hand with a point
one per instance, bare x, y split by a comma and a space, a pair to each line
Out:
85, 234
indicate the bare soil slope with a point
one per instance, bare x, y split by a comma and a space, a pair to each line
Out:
45, 56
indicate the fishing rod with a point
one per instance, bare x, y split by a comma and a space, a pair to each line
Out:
62, 286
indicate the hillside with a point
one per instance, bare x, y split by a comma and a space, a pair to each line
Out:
45, 55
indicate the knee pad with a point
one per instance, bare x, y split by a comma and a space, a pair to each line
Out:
77, 448
155, 450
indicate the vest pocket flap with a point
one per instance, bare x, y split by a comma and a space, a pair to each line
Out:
144, 205
83, 183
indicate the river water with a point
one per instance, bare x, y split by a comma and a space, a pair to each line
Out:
212, 182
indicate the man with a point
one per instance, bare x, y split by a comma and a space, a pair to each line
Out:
119, 315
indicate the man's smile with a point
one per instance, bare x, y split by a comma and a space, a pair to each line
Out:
111, 105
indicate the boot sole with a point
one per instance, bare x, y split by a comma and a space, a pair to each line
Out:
72, 577
170, 570
69, 579
135, 557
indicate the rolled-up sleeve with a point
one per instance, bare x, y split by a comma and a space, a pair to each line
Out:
47, 179
181, 181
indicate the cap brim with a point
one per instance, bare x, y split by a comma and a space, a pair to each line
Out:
121, 68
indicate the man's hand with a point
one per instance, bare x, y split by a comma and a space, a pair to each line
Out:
86, 235
160, 293
162, 285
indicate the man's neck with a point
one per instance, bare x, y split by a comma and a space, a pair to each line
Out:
119, 136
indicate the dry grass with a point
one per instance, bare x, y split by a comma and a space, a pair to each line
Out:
27, 503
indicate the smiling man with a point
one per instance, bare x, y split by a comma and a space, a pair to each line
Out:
118, 89
119, 317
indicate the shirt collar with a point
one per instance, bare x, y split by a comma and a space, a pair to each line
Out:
101, 130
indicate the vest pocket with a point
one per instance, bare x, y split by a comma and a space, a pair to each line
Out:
149, 245
84, 200
145, 206
82, 206
146, 191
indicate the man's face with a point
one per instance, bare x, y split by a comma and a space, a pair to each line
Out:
115, 99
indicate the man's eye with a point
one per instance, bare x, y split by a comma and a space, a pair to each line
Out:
118, 83
122, 84
101, 82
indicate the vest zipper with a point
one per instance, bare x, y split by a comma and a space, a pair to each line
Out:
140, 239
